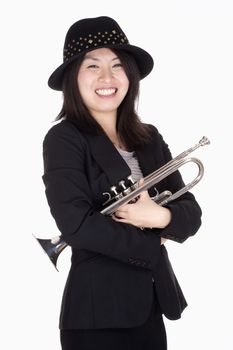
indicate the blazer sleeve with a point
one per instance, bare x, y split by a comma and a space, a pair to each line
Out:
186, 212
71, 204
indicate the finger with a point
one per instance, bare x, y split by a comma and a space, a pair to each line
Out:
120, 214
123, 209
141, 181
115, 218
143, 195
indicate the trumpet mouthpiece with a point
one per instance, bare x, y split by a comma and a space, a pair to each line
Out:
204, 141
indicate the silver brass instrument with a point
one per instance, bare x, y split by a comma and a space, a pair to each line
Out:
128, 191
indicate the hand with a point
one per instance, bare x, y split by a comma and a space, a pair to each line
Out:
143, 213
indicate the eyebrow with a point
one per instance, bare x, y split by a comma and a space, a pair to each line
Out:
97, 59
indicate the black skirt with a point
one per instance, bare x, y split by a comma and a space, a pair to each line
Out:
149, 336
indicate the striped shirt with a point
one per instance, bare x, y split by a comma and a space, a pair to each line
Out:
132, 162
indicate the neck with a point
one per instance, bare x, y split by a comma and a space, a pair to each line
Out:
108, 124
107, 121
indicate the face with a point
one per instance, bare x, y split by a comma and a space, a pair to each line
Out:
102, 82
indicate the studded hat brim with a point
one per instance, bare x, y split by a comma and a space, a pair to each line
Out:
143, 59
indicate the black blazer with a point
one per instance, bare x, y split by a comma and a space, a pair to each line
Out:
113, 265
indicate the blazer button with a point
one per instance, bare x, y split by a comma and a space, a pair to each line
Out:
153, 281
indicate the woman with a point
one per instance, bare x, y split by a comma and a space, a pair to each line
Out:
121, 281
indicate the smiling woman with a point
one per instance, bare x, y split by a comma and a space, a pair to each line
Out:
121, 282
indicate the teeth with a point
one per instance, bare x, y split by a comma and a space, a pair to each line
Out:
105, 92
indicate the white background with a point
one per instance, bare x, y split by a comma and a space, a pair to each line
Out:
188, 95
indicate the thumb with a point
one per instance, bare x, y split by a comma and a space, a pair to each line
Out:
141, 182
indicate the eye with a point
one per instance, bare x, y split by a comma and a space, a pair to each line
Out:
93, 66
118, 65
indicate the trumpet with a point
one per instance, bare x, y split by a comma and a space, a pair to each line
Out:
128, 191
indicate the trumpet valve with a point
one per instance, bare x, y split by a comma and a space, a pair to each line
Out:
131, 180
132, 183
122, 184
116, 193
126, 190
114, 190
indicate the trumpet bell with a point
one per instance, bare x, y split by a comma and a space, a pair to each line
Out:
52, 247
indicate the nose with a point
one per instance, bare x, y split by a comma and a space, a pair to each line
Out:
105, 75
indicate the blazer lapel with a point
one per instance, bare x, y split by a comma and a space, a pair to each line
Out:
108, 158
146, 159
112, 163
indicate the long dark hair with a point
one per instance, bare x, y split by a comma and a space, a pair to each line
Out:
131, 130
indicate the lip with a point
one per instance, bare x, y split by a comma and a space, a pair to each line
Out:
106, 91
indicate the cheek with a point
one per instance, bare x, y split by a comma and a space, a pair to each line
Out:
125, 87
84, 79
125, 83
80, 84
83, 85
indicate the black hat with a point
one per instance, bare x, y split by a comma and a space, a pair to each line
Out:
93, 33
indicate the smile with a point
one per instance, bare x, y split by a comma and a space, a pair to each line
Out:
106, 92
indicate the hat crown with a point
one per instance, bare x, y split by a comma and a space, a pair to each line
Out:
91, 33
